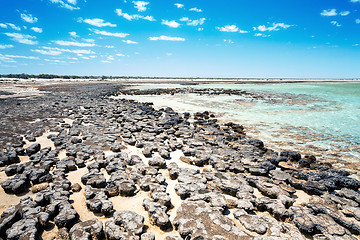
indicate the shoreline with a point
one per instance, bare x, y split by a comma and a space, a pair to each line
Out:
176, 168
178, 80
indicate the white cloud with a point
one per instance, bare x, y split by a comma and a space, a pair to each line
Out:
28, 18
73, 2
64, 5
354, 1
261, 35
89, 40
110, 58
77, 44
179, 5
23, 57
47, 52
36, 29
13, 26
149, 18
189, 22
229, 41
357, 21
344, 13
275, 27
109, 46
329, 13
129, 17
73, 34
335, 23
79, 52
120, 55
104, 33
195, 9
22, 38
229, 28
200, 29
140, 5
172, 24
167, 38
129, 42
98, 22
105, 61
6, 46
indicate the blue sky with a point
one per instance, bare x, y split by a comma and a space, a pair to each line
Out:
198, 38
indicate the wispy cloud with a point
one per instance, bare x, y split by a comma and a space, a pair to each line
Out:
6, 46
179, 5
129, 17
13, 26
79, 52
22, 38
231, 28
228, 28
73, 34
274, 27
36, 29
195, 9
354, 1
28, 18
140, 5
261, 35
344, 13
129, 42
167, 38
65, 5
335, 23
172, 23
328, 13
77, 44
98, 22
109, 46
73, 2
357, 21
228, 41
104, 33
47, 52
23, 57
196, 22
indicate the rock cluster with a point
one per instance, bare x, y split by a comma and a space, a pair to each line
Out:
229, 186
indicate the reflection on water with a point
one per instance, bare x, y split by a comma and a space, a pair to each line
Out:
320, 118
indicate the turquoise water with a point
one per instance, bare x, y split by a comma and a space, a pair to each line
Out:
310, 117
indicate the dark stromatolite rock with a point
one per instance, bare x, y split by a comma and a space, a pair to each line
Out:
198, 219
157, 213
157, 162
130, 221
67, 217
16, 184
90, 229
32, 149
274, 206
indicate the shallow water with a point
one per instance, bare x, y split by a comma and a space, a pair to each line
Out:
318, 118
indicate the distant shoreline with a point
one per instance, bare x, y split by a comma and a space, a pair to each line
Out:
189, 81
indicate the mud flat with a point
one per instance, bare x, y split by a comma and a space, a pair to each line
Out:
77, 164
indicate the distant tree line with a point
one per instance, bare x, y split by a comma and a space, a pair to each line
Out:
53, 76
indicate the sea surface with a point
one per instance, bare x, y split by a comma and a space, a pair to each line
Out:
314, 118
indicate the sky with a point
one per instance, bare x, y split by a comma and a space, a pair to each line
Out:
182, 38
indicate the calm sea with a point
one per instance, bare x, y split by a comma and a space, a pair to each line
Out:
318, 118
